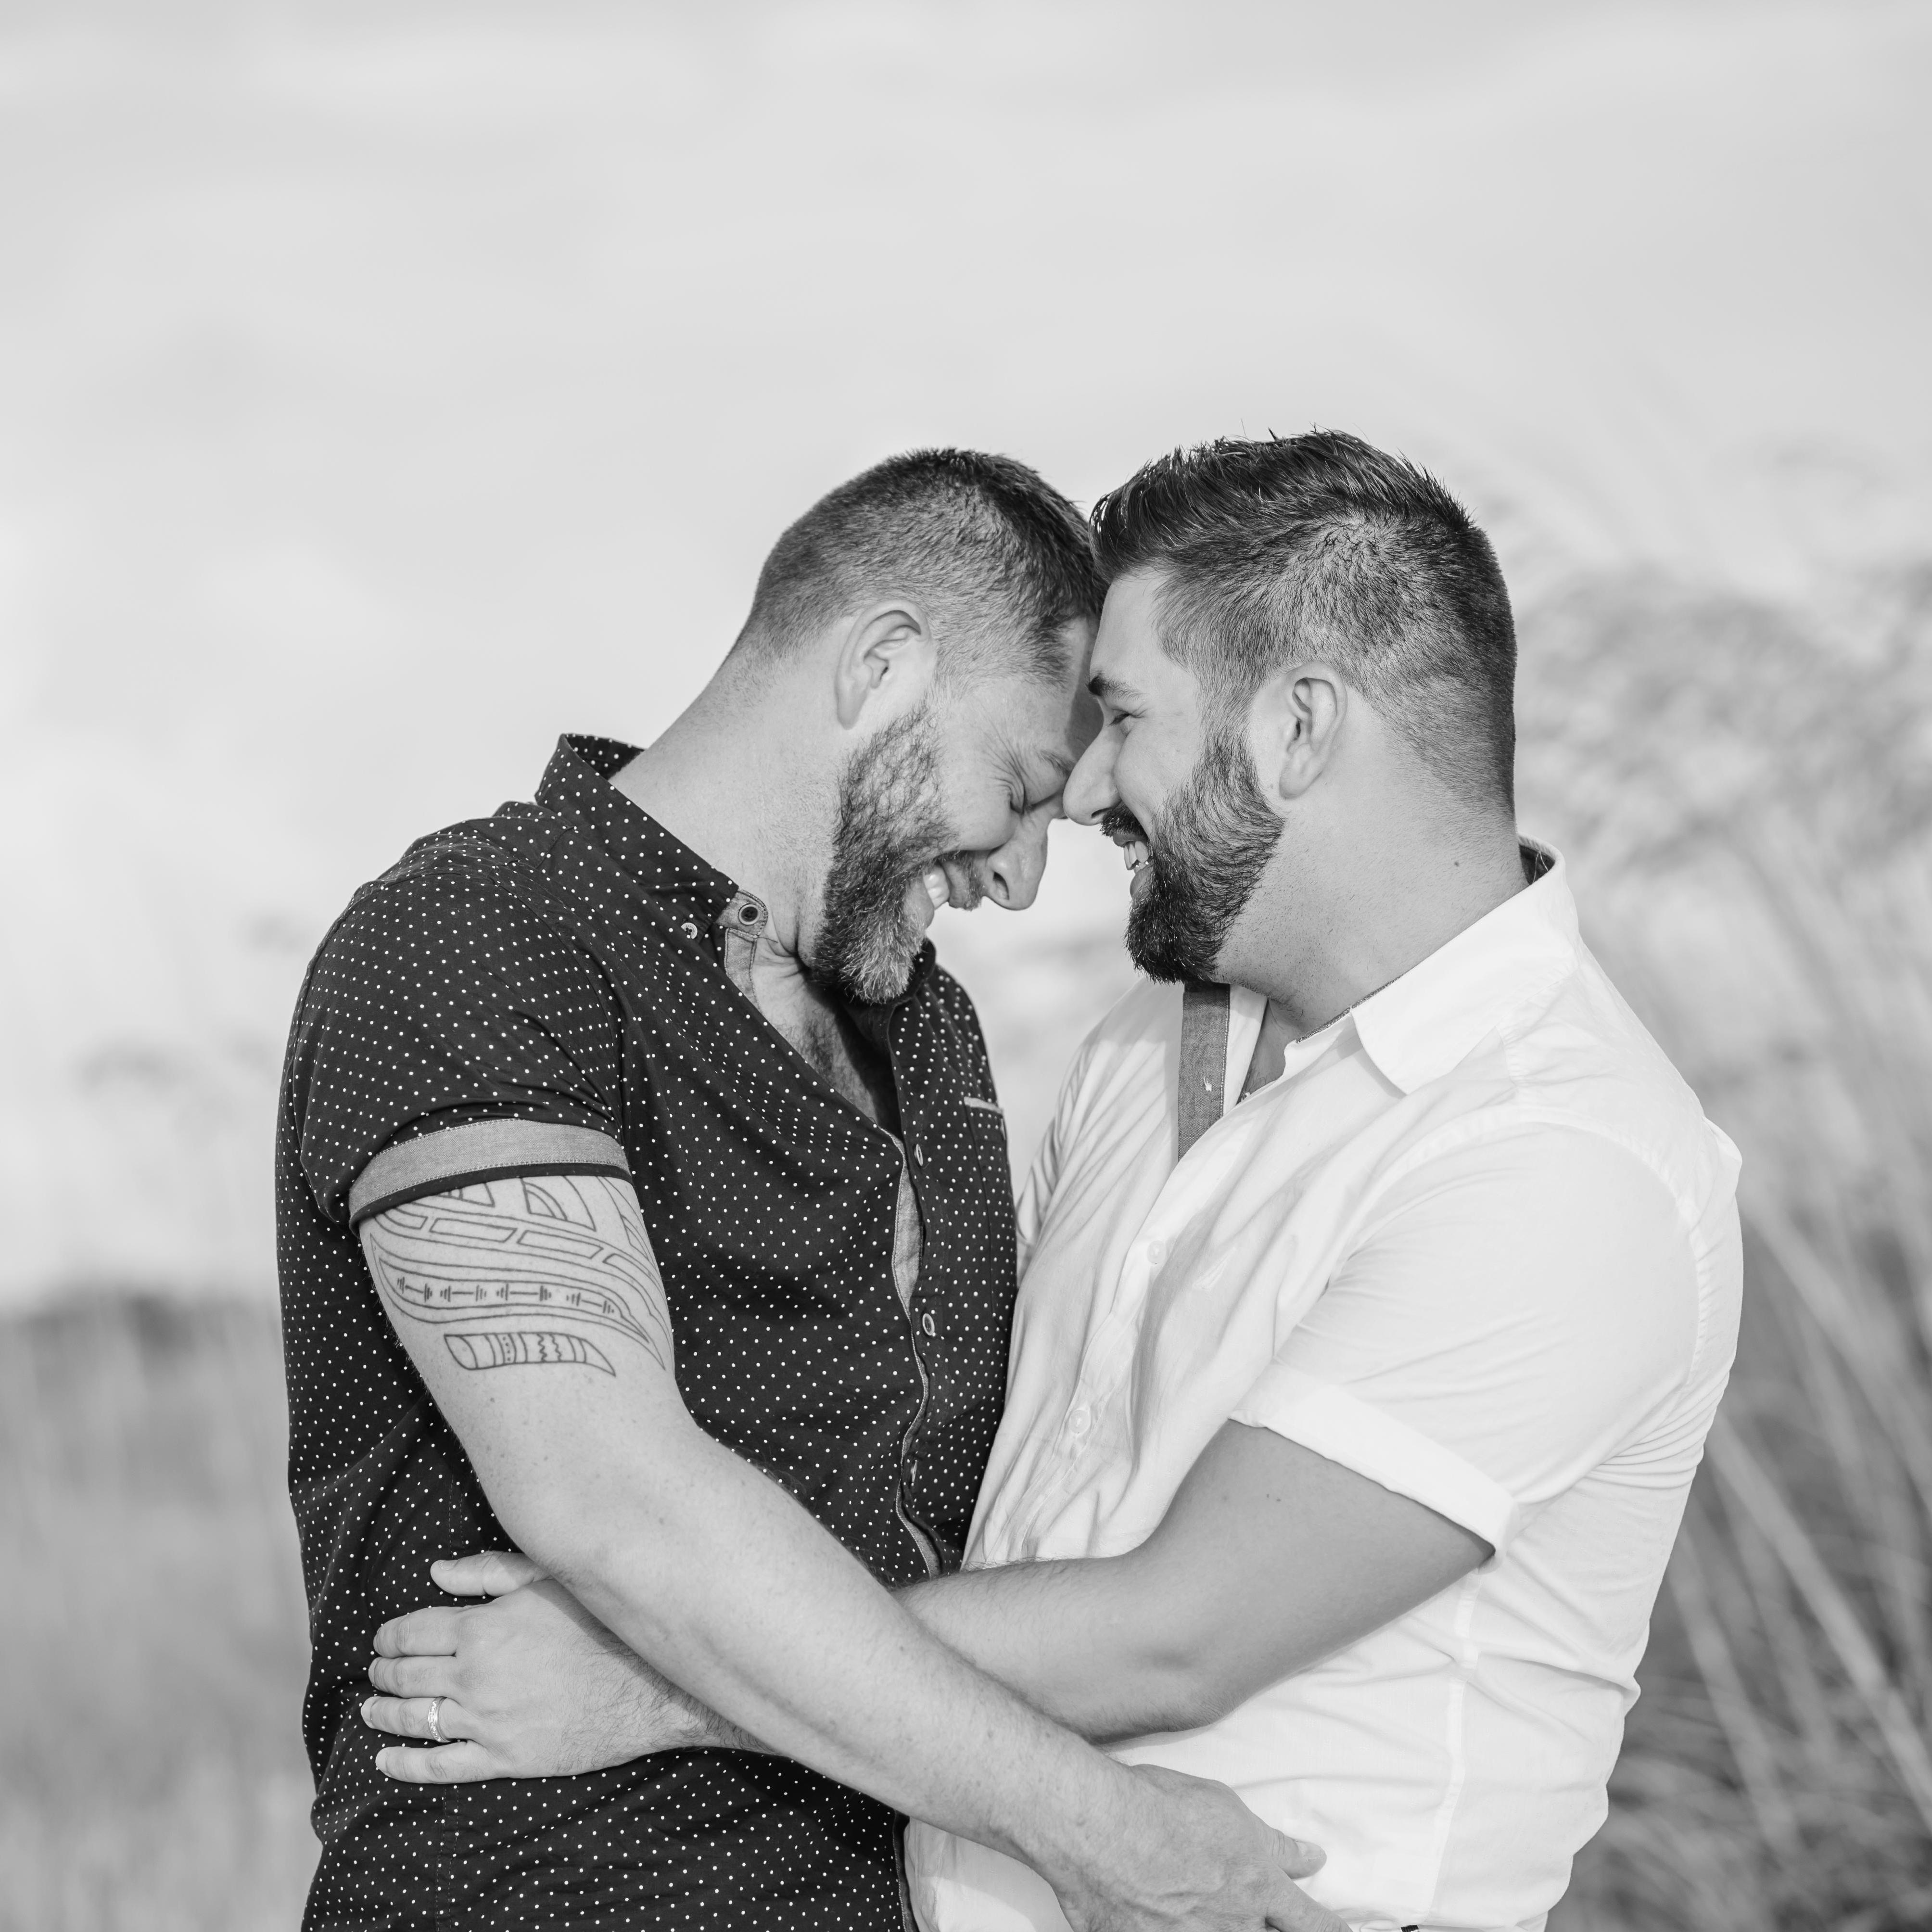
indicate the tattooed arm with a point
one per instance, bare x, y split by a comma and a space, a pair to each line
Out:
554, 1271
533, 1310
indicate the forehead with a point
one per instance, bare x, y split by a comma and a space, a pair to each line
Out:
1128, 653
1029, 719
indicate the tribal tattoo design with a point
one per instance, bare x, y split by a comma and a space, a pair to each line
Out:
525, 1273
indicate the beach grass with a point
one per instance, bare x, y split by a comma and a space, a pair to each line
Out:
1745, 794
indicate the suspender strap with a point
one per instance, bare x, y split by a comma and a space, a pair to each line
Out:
1203, 1059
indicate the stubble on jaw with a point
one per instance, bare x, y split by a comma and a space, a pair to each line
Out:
889, 830
1216, 839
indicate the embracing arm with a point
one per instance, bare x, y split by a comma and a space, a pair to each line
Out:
532, 1308
1520, 1306
1270, 1559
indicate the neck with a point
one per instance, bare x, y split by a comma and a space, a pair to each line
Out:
1355, 916
722, 780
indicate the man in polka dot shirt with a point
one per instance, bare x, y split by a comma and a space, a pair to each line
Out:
643, 1202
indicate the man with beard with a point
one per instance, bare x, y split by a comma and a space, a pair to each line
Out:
644, 1201
1381, 1276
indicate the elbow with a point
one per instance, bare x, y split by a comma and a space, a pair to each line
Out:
1183, 1694
1185, 1677
565, 1542
629, 1562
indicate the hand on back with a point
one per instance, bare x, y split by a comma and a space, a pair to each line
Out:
1191, 1857
534, 1687
529, 1683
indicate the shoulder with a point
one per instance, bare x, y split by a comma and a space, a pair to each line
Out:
1549, 1230
1147, 1009
1137, 1039
1586, 1068
460, 886
462, 919
462, 869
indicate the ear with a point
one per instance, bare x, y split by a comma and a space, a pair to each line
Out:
1293, 727
886, 657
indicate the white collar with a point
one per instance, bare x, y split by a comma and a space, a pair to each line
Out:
1417, 1027
1509, 963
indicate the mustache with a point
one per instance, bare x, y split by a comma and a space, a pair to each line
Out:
1117, 819
971, 866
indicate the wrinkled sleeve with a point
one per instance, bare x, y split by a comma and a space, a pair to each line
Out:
1516, 1308
452, 1030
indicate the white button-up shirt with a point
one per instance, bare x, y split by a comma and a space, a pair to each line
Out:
1478, 1243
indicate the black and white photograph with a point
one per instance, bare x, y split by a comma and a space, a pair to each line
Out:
966, 966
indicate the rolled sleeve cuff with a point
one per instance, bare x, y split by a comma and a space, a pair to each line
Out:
1336, 1424
460, 1156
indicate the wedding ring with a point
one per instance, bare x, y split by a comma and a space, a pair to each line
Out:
436, 1728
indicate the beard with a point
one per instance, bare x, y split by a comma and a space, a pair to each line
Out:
1216, 838
890, 828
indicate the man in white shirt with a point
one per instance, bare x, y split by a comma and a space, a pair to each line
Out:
1380, 1279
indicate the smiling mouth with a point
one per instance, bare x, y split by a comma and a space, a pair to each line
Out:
1127, 833
948, 884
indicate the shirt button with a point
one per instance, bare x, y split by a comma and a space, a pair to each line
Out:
1156, 1253
930, 1327
1079, 1421
911, 1474
690, 930
918, 1154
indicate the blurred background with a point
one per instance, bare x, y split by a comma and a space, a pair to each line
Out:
386, 388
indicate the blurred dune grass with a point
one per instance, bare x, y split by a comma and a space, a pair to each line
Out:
153, 1636
1745, 794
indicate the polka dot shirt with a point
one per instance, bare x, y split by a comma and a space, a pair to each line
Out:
561, 963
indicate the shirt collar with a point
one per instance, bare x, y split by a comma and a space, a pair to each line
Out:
1507, 965
577, 780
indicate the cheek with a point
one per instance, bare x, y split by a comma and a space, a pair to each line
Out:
1145, 773
983, 828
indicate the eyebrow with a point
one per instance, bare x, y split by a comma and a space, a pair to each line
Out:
1110, 690
1020, 768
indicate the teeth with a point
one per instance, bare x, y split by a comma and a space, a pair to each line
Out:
937, 889
1136, 855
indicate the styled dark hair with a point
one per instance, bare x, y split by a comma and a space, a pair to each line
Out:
1320, 547
1004, 563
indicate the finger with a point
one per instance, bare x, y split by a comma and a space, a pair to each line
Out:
447, 1764
409, 1717
412, 1676
1296, 1856
1292, 1910
431, 1633
490, 1573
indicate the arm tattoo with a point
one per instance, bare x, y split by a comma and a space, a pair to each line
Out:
520, 1273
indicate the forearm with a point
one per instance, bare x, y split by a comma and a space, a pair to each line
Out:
717, 1578
1270, 1559
1100, 1645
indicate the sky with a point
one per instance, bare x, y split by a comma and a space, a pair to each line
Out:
385, 389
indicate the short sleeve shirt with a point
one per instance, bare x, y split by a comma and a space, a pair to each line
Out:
546, 991
1477, 1243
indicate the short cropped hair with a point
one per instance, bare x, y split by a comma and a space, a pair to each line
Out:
1003, 562
1322, 547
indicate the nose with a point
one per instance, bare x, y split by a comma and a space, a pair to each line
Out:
1014, 872
1090, 789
